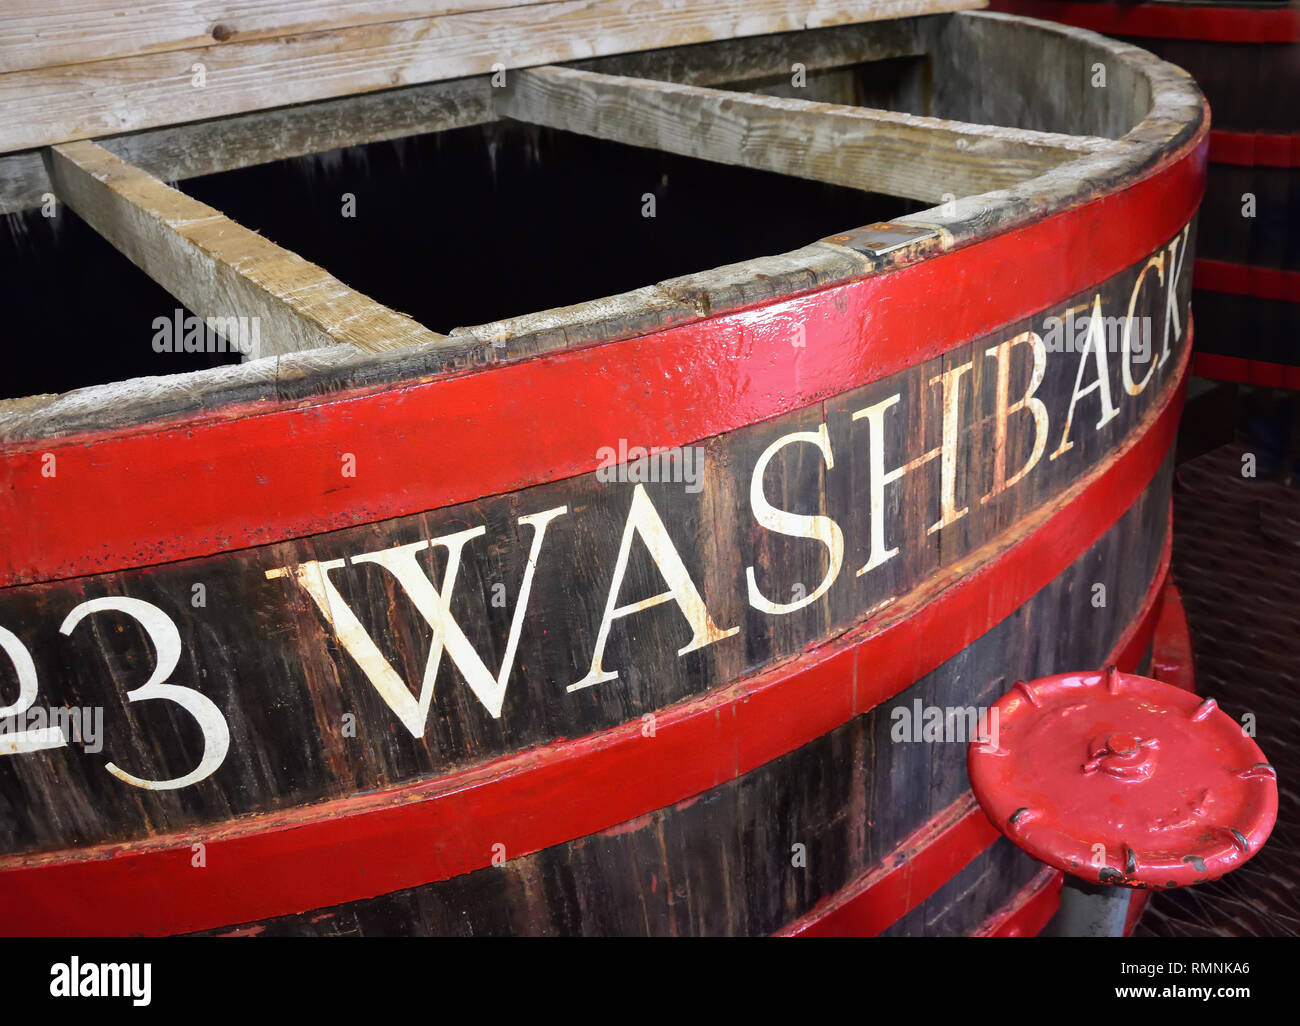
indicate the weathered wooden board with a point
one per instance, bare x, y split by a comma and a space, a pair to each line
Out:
894, 153
726, 862
184, 151
75, 101
768, 538
262, 299
36, 34
179, 152
1046, 81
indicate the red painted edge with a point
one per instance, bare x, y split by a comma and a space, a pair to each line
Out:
1030, 910
1171, 650
1137, 903
1166, 21
947, 843
1246, 372
1254, 149
363, 846
254, 476
1246, 280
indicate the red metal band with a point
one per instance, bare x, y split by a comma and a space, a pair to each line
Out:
1166, 21
948, 843
1254, 149
1030, 910
158, 494
1247, 280
374, 844
1246, 372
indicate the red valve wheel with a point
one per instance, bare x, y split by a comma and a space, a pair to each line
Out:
1123, 780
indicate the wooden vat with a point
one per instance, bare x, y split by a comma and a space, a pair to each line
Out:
401, 632
1247, 275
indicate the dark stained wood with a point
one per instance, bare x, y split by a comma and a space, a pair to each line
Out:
722, 863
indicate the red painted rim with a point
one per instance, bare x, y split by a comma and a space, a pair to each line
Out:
363, 846
1246, 372
1171, 649
1254, 149
951, 840
1247, 280
242, 478
1166, 21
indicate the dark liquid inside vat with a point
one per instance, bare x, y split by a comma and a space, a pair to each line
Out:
453, 228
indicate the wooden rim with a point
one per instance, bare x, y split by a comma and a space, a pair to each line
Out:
1170, 132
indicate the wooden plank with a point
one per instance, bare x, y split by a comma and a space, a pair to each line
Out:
755, 57
217, 268
37, 34
177, 152
51, 105
920, 158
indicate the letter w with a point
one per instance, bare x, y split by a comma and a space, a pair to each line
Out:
434, 605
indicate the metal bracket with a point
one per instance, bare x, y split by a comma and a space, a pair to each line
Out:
876, 240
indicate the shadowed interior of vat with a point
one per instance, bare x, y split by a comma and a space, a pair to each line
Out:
454, 228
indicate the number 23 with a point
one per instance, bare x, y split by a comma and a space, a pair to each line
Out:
166, 641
